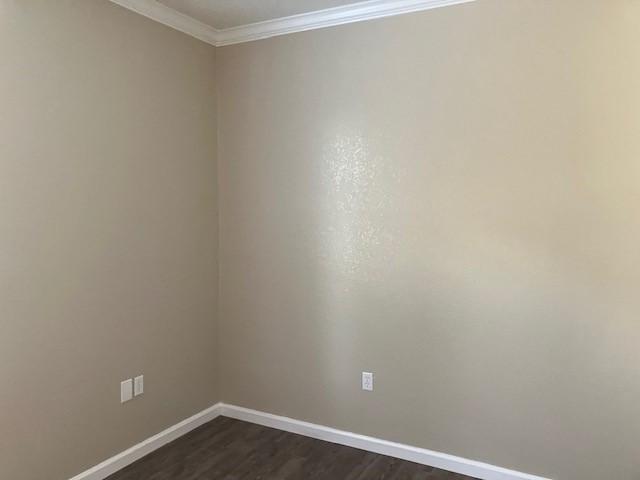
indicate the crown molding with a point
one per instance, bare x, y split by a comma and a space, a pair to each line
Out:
356, 12
171, 18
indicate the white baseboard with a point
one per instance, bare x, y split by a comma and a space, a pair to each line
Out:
123, 459
472, 468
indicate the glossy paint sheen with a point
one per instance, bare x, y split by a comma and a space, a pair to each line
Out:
448, 199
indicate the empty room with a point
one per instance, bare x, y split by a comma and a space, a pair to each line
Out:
319, 240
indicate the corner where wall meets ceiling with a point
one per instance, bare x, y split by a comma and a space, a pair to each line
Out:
199, 20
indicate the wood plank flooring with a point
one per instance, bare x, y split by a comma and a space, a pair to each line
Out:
227, 449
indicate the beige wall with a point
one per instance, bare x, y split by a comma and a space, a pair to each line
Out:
450, 200
447, 199
108, 232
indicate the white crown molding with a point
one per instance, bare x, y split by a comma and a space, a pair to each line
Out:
356, 12
171, 18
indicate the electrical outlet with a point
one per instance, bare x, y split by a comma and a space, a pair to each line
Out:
138, 385
367, 381
126, 390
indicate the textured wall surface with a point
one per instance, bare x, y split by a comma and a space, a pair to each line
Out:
450, 200
108, 232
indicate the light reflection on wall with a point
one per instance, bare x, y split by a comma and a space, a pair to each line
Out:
357, 231
356, 181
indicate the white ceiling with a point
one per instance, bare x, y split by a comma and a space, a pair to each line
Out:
227, 22
222, 14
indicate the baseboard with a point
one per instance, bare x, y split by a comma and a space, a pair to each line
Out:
472, 468
121, 460
444, 461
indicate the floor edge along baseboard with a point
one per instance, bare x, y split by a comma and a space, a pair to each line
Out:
151, 444
444, 461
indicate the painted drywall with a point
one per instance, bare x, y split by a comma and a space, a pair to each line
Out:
448, 199
108, 233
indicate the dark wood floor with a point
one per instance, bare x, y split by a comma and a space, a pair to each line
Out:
227, 449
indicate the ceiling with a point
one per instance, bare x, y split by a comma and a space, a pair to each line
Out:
222, 14
227, 22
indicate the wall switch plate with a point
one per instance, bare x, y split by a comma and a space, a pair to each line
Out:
367, 381
126, 390
138, 385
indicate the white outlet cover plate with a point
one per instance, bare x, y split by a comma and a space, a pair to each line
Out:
367, 381
126, 390
138, 385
